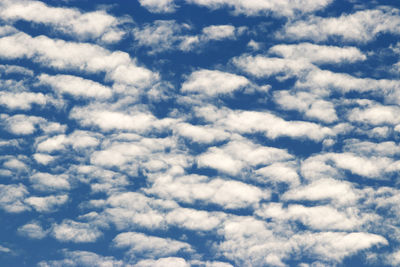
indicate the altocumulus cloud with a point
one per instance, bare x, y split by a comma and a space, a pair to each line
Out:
207, 133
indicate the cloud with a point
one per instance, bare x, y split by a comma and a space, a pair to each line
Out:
237, 155
91, 25
4, 249
77, 140
213, 82
72, 231
21, 124
280, 8
23, 100
62, 55
194, 219
201, 134
318, 217
149, 246
368, 148
318, 54
169, 35
272, 126
170, 261
218, 32
107, 120
159, 6
85, 259
49, 182
335, 246
311, 105
75, 86
46, 204
262, 66
32, 230
278, 172
324, 189
193, 188
12, 198
362, 26
375, 115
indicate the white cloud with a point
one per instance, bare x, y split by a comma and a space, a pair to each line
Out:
192, 188
236, 155
161, 35
370, 167
213, 82
318, 217
159, 6
15, 165
251, 242
71, 231
32, 230
7, 30
4, 249
219, 32
313, 106
279, 172
194, 219
167, 35
324, 189
201, 134
21, 124
368, 149
22, 100
322, 81
49, 182
361, 26
318, 53
131, 210
77, 140
262, 66
262, 7
84, 259
149, 246
75, 86
59, 54
335, 246
263, 122
107, 120
90, 25
163, 262
376, 115
12, 198
46, 204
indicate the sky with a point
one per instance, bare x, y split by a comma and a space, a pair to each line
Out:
210, 133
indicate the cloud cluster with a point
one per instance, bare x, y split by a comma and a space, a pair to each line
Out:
262, 136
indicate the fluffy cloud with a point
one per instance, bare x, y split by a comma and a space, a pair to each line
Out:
282, 8
319, 53
150, 246
213, 82
32, 230
75, 86
361, 26
12, 198
91, 25
264, 122
46, 204
71, 231
236, 155
226, 193
159, 6
59, 54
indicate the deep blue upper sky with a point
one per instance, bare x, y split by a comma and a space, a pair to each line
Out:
199, 133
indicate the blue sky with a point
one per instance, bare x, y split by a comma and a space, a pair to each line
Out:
208, 133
